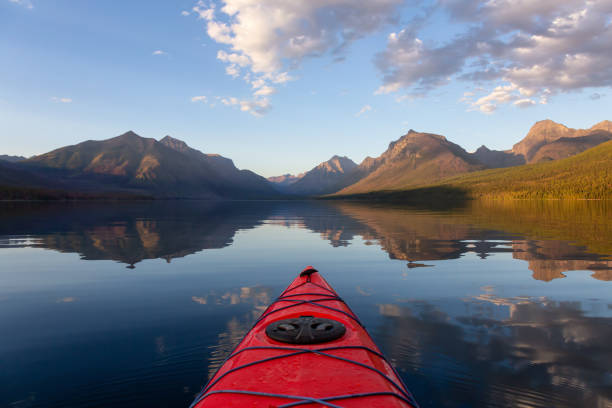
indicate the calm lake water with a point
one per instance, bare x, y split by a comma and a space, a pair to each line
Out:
137, 304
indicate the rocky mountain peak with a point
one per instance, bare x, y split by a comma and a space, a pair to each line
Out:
129, 134
544, 131
603, 125
338, 164
547, 126
175, 144
416, 158
413, 142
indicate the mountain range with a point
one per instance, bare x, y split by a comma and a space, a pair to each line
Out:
419, 159
546, 140
11, 159
133, 166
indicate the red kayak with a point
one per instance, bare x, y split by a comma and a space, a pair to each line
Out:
308, 349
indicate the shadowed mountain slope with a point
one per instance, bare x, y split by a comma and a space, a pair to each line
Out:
242, 182
18, 182
164, 169
12, 174
497, 158
570, 146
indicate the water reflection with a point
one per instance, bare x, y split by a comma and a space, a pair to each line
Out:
552, 238
446, 294
502, 352
532, 232
126, 232
257, 298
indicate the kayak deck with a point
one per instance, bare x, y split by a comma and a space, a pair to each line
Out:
348, 371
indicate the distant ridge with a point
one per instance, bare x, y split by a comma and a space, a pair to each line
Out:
283, 182
134, 164
242, 182
325, 178
11, 159
547, 140
285, 178
546, 132
496, 158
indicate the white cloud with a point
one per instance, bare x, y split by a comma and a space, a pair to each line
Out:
270, 33
159, 52
184, 13
265, 90
232, 70
538, 47
544, 96
258, 83
501, 94
61, 100
230, 101
220, 32
257, 106
524, 103
200, 98
364, 109
269, 39
25, 3
280, 77
203, 11
233, 58
487, 108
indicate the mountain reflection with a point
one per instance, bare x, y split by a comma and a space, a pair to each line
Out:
126, 232
551, 237
502, 352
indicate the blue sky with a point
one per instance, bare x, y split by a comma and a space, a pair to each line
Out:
278, 86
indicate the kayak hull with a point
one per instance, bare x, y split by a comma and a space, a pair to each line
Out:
349, 371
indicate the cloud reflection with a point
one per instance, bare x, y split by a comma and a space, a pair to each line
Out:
522, 352
256, 298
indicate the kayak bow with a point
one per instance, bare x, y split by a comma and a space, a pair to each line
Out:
307, 349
